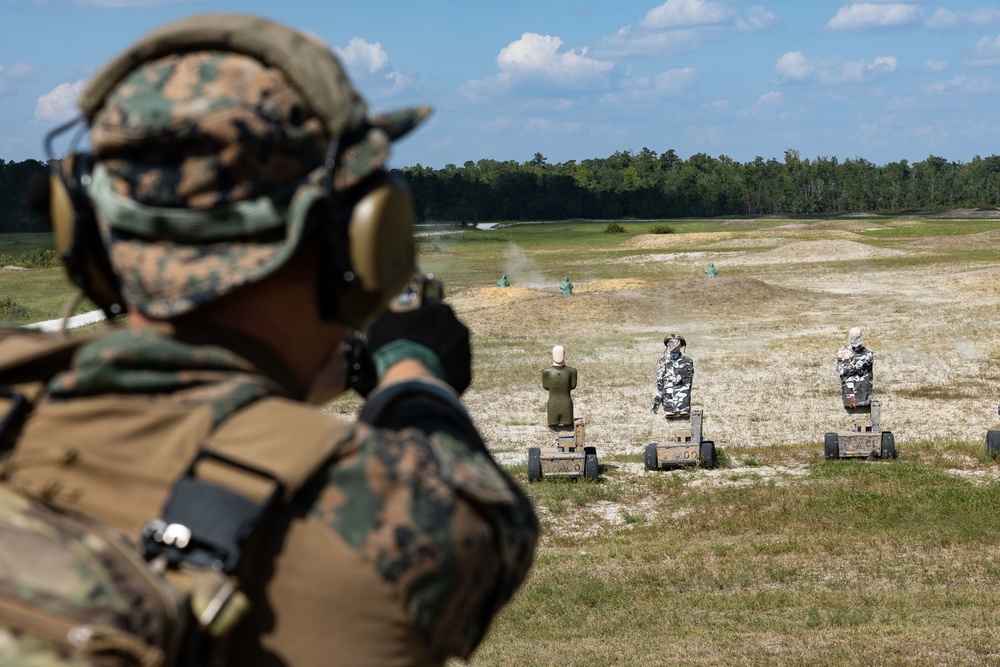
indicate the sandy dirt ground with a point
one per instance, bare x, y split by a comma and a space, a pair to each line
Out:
763, 337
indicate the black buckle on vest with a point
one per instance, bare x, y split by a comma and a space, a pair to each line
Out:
13, 419
205, 524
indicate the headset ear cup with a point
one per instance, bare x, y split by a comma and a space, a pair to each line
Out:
77, 238
61, 214
381, 235
381, 250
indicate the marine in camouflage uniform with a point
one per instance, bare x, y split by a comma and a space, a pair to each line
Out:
674, 376
407, 540
855, 364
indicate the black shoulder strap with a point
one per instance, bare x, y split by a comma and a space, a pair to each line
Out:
28, 360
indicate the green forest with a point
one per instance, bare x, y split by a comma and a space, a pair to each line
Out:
648, 185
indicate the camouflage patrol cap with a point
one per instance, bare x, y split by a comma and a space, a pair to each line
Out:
680, 339
207, 163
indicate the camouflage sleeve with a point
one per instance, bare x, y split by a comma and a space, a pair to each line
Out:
684, 373
429, 508
661, 374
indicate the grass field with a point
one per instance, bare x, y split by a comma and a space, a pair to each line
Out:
778, 557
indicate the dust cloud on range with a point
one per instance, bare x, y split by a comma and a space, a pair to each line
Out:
523, 271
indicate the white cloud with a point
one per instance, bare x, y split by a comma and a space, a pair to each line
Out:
679, 26
675, 81
865, 15
363, 56
541, 55
769, 99
9, 73
630, 41
936, 65
794, 66
757, 18
986, 52
688, 14
368, 63
60, 103
984, 16
671, 83
959, 85
766, 104
861, 70
945, 19
540, 59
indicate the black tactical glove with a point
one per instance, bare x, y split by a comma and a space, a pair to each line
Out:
430, 334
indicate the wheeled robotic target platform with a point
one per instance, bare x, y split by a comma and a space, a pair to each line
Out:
866, 441
567, 457
685, 446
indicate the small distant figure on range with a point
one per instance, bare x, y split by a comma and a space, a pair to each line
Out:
855, 364
503, 282
566, 287
674, 376
710, 271
559, 380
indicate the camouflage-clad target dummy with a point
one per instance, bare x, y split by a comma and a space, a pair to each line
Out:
674, 375
566, 287
711, 271
855, 367
559, 380
503, 282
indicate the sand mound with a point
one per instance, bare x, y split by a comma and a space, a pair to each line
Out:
981, 241
974, 283
708, 291
654, 241
815, 251
481, 297
741, 244
610, 285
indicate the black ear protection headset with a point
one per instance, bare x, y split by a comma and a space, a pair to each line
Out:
367, 233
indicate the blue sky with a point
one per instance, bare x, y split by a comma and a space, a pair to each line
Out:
576, 79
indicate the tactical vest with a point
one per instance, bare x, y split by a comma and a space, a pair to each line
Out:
75, 591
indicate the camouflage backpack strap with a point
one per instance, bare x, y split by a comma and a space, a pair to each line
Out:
28, 360
251, 466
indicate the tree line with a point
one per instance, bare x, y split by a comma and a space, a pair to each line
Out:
15, 215
648, 185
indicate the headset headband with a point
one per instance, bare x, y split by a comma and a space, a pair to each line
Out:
310, 67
